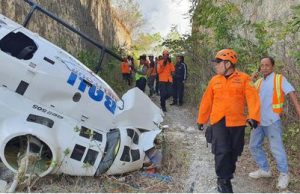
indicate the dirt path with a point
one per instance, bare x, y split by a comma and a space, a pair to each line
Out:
200, 175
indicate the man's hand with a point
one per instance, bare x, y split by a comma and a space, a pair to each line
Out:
200, 127
252, 123
254, 76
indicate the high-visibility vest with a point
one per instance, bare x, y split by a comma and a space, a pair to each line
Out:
278, 94
139, 76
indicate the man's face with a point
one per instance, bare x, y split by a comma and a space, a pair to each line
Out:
165, 56
177, 59
266, 66
219, 67
142, 61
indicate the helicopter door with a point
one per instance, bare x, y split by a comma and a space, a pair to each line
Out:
86, 152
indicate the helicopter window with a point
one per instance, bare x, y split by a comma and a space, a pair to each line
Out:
78, 152
97, 136
22, 87
85, 132
136, 138
125, 155
130, 132
91, 157
40, 120
135, 154
18, 45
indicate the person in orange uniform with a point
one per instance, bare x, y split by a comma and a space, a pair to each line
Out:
125, 69
165, 69
223, 103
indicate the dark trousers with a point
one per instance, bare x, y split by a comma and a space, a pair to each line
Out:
165, 93
157, 85
227, 145
150, 81
127, 77
178, 90
141, 83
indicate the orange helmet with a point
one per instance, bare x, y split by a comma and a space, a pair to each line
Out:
228, 55
165, 52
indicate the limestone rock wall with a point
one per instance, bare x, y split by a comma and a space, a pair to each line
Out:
94, 18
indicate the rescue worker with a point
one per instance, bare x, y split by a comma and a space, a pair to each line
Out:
272, 88
179, 78
159, 58
141, 73
130, 61
223, 104
165, 69
152, 73
125, 69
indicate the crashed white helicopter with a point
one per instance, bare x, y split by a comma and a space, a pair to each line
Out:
58, 112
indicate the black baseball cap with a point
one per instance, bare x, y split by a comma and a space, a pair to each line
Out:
142, 57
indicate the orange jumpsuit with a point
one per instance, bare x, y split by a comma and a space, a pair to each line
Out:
125, 67
227, 98
165, 72
165, 81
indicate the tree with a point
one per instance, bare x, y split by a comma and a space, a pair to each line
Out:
128, 11
174, 41
147, 43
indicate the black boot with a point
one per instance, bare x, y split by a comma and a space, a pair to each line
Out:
224, 186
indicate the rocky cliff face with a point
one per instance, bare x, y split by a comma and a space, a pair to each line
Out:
270, 17
94, 18
267, 10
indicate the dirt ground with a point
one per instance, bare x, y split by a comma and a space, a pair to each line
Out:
188, 166
201, 175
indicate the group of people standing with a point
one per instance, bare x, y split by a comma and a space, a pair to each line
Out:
160, 74
223, 107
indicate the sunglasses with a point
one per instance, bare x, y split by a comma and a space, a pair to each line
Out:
217, 60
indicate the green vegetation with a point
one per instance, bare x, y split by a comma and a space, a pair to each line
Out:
128, 11
147, 44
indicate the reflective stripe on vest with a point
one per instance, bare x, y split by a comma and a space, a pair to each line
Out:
258, 83
278, 95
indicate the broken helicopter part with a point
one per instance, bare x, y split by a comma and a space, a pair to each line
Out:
58, 116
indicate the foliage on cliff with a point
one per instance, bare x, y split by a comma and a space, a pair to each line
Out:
128, 11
